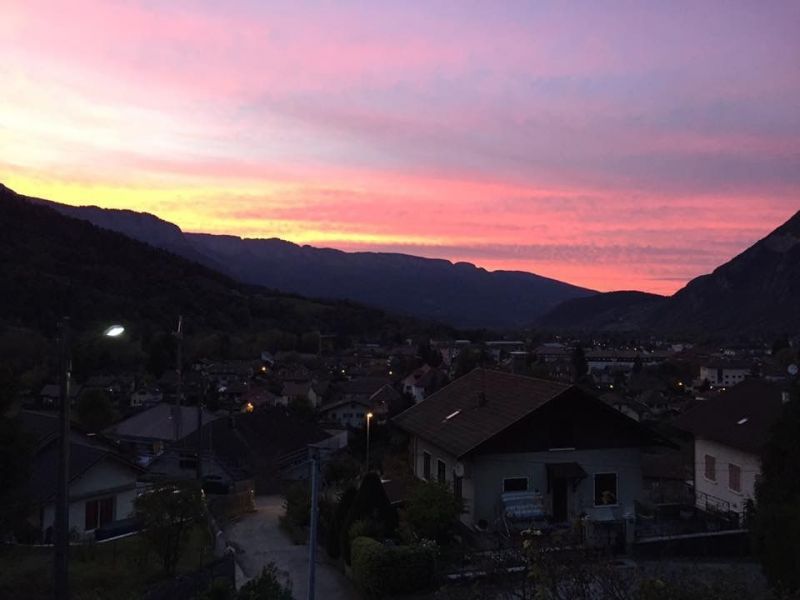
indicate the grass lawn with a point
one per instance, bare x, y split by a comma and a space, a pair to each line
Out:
121, 569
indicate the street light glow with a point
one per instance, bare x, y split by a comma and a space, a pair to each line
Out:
114, 331
369, 416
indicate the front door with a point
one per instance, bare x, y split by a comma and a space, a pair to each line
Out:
559, 500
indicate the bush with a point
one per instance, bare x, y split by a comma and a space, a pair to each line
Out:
266, 586
432, 512
380, 570
297, 503
333, 540
369, 503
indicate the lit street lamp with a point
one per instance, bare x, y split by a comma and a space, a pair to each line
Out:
369, 418
61, 555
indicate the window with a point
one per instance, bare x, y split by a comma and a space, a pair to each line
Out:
735, 477
605, 489
711, 468
187, 460
458, 487
515, 484
426, 466
98, 513
441, 471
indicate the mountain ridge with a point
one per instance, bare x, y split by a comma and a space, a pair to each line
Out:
754, 293
458, 293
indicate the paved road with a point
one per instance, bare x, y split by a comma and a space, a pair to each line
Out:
259, 540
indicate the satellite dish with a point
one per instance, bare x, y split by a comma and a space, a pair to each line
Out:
459, 469
792, 370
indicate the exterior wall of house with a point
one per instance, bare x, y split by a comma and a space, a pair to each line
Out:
720, 488
106, 479
419, 447
348, 415
723, 376
490, 470
173, 464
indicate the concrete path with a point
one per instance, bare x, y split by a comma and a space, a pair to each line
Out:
259, 540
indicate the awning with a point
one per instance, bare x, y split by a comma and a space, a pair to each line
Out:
566, 470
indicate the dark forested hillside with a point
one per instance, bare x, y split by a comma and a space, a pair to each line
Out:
612, 311
460, 294
52, 265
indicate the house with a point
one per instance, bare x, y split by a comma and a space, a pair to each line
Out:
724, 374
489, 433
147, 433
729, 433
102, 483
299, 391
268, 445
362, 388
423, 382
146, 397
388, 402
50, 395
346, 413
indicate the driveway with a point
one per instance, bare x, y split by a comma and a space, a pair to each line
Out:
259, 540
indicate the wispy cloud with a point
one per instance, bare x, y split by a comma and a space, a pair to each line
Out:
631, 145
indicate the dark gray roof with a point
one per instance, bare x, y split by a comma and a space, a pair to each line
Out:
475, 408
43, 481
740, 417
156, 423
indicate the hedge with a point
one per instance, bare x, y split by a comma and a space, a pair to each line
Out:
380, 570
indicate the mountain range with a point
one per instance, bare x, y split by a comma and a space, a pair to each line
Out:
755, 292
459, 294
52, 265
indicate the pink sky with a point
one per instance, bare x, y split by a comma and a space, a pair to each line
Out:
626, 145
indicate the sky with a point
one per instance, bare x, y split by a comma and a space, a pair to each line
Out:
614, 145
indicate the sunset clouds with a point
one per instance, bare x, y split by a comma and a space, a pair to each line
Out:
616, 145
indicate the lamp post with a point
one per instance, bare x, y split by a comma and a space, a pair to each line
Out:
61, 521
369, 418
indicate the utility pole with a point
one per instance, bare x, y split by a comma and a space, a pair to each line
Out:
61, 530
176, 420
200, 403
312, 542
369, 418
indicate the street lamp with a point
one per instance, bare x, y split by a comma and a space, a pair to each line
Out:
369, 417
61, 555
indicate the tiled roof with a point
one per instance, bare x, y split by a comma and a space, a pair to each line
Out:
156, 423
740, 418
475, 408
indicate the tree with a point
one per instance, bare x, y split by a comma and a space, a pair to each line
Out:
370, 503
579, 364
776, 526
432, 511
167, 514
334, 543
267, 586
95, 410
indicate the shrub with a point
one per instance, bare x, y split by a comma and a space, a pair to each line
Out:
369, 503
432, 511
266, 586
333, 541
380, 570
168, 513
297, 503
